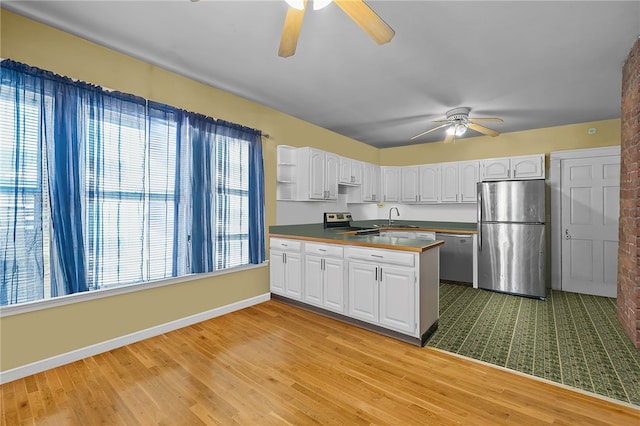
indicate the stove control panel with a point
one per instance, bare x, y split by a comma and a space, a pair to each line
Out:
337, 219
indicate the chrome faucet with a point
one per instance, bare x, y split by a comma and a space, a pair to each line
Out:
390, 210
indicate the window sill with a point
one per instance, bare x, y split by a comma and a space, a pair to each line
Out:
9, 310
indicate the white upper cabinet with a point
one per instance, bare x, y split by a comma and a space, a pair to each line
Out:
391, 183
429, 183
528, 167
350, 171
370, 186
332, 166
449, 182
409, 184
513, 168
469, 176
318, 174
496, 169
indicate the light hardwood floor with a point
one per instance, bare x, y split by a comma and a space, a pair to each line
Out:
276, 364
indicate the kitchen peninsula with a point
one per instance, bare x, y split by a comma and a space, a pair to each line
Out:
363, 275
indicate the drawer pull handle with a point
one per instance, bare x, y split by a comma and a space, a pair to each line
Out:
377, 255
321, 250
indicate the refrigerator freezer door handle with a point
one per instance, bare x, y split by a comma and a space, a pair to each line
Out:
479, 220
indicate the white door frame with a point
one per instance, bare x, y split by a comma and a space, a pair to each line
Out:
555, 175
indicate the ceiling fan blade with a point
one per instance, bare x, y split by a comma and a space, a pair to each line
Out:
429, 131
482, 129
450, 137
367, 19
291, 31
487, 119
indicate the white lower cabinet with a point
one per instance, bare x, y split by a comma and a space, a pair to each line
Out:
393, 289
363, 291
397, 298
324, 276
285, 268
380, 292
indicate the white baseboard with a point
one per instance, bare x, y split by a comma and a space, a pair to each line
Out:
69, 357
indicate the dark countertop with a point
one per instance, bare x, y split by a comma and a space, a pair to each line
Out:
316, 232
421, 225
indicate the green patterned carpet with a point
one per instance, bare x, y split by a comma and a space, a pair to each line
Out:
570, 338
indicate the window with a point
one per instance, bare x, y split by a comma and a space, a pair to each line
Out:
101, 189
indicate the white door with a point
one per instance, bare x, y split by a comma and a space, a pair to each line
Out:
397, 298
334, 284
363, 291
590, 205
313, 279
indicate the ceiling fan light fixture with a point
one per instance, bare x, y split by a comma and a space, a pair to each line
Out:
320, 4
296, 4
457, 129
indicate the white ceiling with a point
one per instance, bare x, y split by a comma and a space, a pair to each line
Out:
533, 63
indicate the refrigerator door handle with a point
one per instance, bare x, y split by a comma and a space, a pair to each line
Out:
479, 220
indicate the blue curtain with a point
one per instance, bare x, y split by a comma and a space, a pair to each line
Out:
200, 132
257, 250
65, 162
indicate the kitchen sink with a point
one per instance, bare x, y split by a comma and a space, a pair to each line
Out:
372, 231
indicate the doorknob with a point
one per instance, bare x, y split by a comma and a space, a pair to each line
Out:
567, 236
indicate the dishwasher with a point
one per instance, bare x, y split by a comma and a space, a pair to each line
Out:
456, 257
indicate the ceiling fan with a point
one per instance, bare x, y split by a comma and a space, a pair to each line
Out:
357, 10
458, 121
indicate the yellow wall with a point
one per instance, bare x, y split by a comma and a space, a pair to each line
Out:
537, 141
34, 336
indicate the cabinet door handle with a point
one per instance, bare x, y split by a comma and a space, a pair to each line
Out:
376, 273
381, 274
284, 257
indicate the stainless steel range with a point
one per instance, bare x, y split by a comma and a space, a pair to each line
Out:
337, 220
342, 221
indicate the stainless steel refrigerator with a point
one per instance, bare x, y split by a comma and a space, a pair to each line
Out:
511, 237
